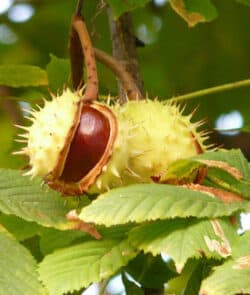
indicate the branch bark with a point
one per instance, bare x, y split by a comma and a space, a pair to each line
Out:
124, 49
125, 79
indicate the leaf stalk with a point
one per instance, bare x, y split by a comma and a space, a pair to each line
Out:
212, 90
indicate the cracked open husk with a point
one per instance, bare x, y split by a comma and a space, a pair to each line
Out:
144, 137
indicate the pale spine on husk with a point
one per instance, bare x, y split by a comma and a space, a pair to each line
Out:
151, 135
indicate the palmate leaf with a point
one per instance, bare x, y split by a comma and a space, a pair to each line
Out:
18, 268
78, 266
139, 203
31, 201
182, 239
233, 276
22, 76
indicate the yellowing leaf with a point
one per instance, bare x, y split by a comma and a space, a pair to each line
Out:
22, 76
194, 11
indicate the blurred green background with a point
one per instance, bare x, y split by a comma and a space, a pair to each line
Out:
175, 60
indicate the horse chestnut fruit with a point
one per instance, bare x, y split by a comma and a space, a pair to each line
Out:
82, 147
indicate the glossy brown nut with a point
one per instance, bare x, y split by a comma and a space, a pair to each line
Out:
88, 145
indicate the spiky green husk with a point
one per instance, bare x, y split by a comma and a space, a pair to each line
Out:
46, 136
151, 135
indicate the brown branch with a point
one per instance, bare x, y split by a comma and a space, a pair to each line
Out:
124, 49
91, 92
128, 83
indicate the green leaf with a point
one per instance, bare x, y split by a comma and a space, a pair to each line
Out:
120, 6
18, 268
142, 202
78, 266
233, 276
32, 201
182, 171
194, 11
226, 280
18, 227
182, 239
246, 2
232, 157
52, 239
216, 173
58, 71
22, 76
241, 248
32, 244
226, 181
189, 281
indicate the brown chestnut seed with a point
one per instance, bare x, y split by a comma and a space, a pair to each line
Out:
88, 145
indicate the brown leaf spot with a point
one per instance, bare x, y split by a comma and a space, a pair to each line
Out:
224, 196
202, 172
217, 228
242, 262
224, 166
223, 249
